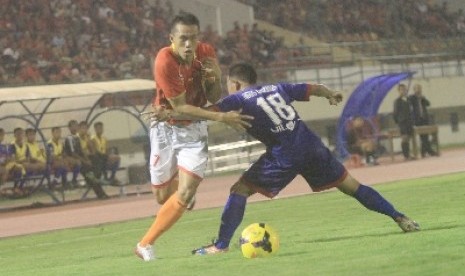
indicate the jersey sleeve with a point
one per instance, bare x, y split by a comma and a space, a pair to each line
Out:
297, 92
229, 103
166, 73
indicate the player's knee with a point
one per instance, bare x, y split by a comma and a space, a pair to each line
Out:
349, 185
161, 198
161, 195
186, 194
241, 188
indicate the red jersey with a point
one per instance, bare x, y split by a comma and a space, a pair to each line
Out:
173, 77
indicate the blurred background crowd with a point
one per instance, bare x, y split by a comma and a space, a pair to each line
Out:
65, 41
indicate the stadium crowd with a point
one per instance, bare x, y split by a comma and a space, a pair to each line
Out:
62, 41
355, 20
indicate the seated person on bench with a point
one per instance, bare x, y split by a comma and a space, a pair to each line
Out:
361, 140
108, 160
9, 169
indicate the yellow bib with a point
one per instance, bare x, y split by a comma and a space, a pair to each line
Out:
20, 152
35, 151
100, 144
56, 149
84, 145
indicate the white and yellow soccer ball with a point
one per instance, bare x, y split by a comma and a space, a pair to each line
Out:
259, 240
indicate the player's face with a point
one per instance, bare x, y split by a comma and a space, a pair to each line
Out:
73, 128
184, 39
31, 137
402, 91
83, 129
98, 130
56, 134
19, 135
232, 85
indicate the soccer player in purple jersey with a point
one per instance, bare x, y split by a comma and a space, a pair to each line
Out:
292, 149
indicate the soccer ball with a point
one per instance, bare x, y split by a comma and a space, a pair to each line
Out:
258, 240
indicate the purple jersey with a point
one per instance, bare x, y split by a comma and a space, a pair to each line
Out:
292, 148
276, 122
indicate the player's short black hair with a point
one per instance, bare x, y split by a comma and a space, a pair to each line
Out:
55, 128
97, 124
243, 72
16, 130
185, 18
83, 123
30, 130
2, 130
72, 122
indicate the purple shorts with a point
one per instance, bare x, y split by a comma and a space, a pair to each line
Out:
269, 174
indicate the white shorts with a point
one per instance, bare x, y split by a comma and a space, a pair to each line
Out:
177, 147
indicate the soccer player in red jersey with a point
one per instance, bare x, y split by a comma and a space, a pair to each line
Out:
187, 76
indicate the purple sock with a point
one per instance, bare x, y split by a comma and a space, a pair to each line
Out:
231, 219
372, 200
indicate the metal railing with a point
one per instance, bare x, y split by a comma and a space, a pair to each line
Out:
353, 67
233, 156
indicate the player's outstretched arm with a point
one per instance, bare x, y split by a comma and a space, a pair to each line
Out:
183, 111
334, 97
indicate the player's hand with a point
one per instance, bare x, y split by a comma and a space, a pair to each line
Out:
236, 120
210, 70
157, 113
335, 98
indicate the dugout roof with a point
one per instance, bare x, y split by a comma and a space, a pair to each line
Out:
45, 106
364, 102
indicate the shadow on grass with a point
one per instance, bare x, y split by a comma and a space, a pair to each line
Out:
353, 237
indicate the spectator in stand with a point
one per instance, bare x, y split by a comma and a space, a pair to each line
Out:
91, 30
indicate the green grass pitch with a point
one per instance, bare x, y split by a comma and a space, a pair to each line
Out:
320, 234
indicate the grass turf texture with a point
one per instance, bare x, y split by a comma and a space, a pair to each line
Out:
320, 234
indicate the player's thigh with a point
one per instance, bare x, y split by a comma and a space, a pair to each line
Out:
162, 193
162, 161
321, 169
188, 184
267, 176
191, 145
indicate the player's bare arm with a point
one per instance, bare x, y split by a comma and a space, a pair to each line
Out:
211, 79
232, 118
334, 97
